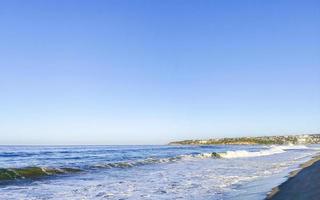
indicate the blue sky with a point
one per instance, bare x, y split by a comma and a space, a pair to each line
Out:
148, 72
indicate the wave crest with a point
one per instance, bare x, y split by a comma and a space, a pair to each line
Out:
147, 161
32, 172
272, 150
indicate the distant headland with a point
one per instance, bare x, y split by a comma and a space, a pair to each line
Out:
267, 140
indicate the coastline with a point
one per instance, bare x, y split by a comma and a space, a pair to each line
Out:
302, 184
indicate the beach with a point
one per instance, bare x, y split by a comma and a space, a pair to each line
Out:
302, 184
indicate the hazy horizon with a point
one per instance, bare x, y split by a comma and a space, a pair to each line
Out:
151, 72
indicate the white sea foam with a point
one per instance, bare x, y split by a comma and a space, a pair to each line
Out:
274, 149
200, 156
244, 153
291, 146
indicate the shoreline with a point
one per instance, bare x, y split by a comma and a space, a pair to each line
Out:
302, 184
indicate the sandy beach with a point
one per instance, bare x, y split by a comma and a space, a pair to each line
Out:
303, 184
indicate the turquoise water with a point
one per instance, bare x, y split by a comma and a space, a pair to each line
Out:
146, 172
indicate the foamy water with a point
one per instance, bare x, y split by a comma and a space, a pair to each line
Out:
146, 172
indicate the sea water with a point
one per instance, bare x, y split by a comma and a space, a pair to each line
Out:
146, 172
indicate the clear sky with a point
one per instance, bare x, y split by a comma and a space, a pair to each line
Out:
148, 72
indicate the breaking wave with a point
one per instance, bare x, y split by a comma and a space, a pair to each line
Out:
291, 146
7, 174
272, 150
32, 172
147, 161
243, 153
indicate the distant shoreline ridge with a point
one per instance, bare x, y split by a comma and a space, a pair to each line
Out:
266, 140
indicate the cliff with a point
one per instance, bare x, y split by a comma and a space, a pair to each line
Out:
288, 139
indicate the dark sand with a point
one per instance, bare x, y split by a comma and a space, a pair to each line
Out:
303, 184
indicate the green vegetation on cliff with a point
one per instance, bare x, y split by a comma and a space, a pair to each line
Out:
267, 140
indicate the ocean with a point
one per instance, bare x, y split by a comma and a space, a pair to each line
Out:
146, 172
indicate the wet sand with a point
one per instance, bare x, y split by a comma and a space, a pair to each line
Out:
303, 184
